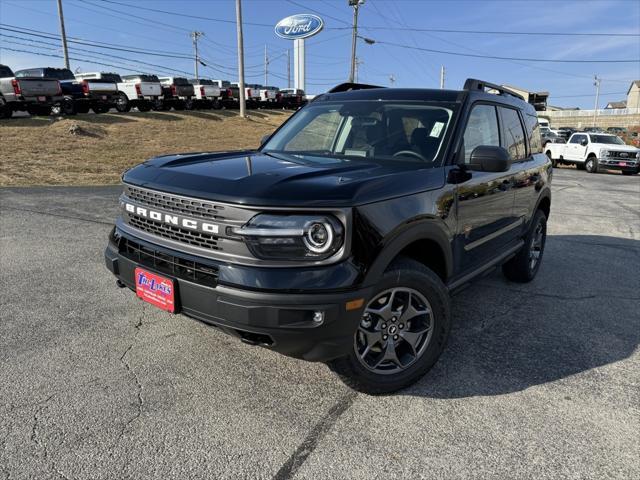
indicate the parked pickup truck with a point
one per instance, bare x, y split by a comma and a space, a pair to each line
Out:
101, 88
35, 95
177, 92
268, 96
74, 99
141, 91
207, 93
292, 98
227, 96
342, 237
251, 94
595, 151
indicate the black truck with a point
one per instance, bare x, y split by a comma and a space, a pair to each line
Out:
343, 236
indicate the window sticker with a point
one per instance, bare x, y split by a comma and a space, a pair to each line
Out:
437, 128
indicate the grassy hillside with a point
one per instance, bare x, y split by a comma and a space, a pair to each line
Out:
96, 149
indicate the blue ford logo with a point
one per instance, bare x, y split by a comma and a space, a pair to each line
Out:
299, 26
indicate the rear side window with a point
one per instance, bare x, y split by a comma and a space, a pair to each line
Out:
513, 134
533, 132
482, 129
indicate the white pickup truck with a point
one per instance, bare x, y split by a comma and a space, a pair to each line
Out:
207, 93
594, 151
141, 91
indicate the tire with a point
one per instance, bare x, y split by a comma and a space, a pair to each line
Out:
143, 106
5, 110
628, 172
404, 279
188, 104
522, 268
123, 104
179, 105
82, 107
66, 107
581, 165
217, 104
591, 165
100, 108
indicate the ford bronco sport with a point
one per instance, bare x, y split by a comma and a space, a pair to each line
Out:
342, 237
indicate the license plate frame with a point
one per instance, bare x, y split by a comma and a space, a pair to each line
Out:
622, 164
156, 289
42, 98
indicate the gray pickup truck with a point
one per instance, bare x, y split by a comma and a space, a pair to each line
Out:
35, 95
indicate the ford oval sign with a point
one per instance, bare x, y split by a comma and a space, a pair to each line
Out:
299, 26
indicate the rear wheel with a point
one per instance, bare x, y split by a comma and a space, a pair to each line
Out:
66, 107
591, 164
403, 331
179, 105
144, 106
524, 266
5, 110
100, 108
82, 107
122, 103
188, 104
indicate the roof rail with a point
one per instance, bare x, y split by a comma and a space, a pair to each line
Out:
473, 84
346, 87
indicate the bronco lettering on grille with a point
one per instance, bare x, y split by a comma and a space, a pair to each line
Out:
170, 219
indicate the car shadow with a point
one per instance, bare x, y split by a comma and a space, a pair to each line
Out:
199, 114
103, 118
580, 313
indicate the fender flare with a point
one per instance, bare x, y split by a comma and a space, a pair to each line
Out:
545, 193
398, 241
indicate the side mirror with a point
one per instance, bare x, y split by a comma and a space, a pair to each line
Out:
264, 139
584, 143
488, 158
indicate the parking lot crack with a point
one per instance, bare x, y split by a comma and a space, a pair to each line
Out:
35, 431
317, 433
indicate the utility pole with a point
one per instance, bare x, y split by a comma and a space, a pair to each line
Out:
266, 66
596, 83
63, 34
243, 105
392, 80
442, 77
354, 37
288, 68
358, 63
196, 58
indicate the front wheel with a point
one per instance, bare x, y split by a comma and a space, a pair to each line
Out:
144, 106
122, 104
591, 165
525, 265
5, 110
628, 172
402, 332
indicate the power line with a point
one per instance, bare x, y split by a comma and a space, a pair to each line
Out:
494, 57
587, 95
103, 45
496, 32
198, 17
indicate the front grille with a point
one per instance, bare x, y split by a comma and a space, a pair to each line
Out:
170, 232
622, 155
175, 204
164, 263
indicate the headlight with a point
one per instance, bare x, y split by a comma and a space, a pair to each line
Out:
604, 153
292, 237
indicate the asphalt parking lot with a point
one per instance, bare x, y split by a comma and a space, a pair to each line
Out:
538, 381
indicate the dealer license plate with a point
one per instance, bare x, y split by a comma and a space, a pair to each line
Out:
42, 99
622, 164
155, 289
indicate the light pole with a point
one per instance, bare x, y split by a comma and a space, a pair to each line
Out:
596, 83
196, 58
240, 59
354, 36
63, 34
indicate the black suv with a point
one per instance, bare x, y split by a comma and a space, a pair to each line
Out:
342, 237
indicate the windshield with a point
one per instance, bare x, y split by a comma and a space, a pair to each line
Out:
608, 139
391, 130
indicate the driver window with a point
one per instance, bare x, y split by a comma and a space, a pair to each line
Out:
319, 135
482, 129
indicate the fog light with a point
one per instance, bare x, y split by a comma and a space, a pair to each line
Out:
318, 317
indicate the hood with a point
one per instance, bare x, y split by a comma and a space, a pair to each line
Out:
255, 178
617, 148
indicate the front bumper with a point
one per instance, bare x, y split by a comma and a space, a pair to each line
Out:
631, 165
281, 321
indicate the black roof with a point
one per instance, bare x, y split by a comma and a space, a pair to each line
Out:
473, 90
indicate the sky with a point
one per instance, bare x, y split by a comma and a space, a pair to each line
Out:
127, 24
